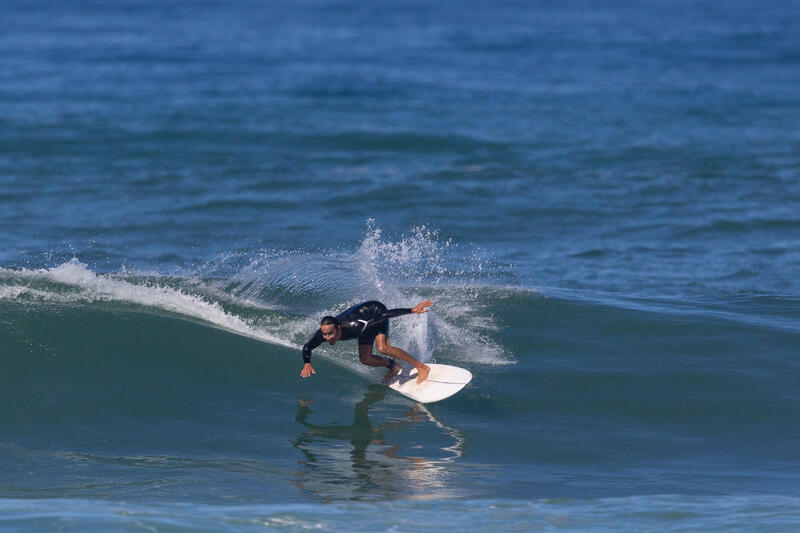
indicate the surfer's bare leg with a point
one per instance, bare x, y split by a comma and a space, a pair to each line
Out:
368, 358
382, 343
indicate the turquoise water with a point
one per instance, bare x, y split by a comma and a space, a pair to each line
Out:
601, 200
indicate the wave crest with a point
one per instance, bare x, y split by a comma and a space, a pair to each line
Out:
278, 296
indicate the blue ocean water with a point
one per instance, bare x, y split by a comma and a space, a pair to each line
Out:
602, 199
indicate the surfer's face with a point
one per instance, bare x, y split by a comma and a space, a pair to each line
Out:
330, 333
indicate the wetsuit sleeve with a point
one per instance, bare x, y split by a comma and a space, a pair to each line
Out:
315, 341
391, 313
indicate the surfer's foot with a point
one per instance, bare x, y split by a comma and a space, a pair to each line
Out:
422, 373
391, 373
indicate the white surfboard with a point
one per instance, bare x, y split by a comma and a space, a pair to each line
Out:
442, 382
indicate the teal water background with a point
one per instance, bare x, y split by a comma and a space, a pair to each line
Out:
602, 200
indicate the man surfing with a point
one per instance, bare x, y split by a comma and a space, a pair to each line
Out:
369, 323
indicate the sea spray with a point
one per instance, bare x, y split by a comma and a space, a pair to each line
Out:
400, 272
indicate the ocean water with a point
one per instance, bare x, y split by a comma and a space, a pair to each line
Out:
601, 198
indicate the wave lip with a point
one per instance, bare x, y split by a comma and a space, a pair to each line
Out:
78, 284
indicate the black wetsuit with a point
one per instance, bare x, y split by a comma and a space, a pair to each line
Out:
363, 321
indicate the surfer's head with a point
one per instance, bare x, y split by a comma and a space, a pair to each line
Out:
330, 328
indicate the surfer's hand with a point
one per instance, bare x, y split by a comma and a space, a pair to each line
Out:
421, 307
307, 370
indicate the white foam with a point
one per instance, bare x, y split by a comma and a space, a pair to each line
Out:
92, 287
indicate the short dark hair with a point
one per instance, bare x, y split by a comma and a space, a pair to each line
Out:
328, 320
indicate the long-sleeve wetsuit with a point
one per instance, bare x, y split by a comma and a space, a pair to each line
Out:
363, 321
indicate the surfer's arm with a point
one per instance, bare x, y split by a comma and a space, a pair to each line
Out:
391, 313
420, 308
315, 341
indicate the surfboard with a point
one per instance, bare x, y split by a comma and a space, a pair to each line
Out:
442, 382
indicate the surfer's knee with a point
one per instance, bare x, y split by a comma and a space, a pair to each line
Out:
383, 347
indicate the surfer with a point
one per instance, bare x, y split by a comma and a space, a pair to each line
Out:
369, 323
